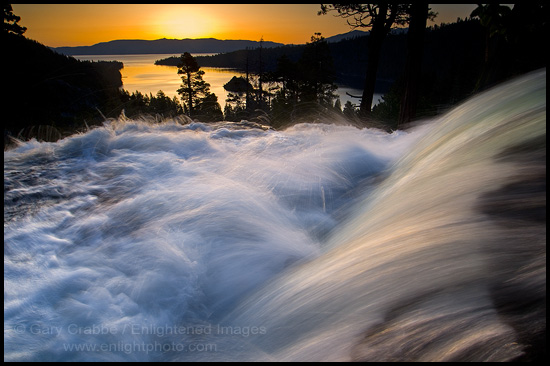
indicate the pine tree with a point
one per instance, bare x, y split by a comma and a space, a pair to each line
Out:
11, 20
194, 90
316, 72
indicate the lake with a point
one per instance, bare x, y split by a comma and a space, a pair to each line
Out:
140, 73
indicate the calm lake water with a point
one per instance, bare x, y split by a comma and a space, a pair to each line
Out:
140, 73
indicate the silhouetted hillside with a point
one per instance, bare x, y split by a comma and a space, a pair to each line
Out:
42, 87
138, 46
349, 35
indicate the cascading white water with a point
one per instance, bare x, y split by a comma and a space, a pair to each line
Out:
139, 241
410, 275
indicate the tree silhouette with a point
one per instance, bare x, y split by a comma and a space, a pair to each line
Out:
235, 106
495, 18
188, 68
194, 90
11, 20
514, 39
380, 18
419, 13
349, 111
286, 73
527, 34
492, 17
261, 77
316, 72
208, 109
306, 85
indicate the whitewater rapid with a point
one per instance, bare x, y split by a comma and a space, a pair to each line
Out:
167, 224
142, 241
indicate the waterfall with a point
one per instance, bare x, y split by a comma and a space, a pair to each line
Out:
142, 241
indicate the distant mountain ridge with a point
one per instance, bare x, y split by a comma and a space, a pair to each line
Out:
359, 33
349, 35
159, 46
178, 46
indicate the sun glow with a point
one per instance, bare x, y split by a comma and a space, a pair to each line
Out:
57, 25
187, 22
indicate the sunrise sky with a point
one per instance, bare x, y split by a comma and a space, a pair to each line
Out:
58, 25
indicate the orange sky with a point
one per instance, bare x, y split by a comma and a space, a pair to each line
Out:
86, 24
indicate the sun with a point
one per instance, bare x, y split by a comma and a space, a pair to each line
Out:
185, 22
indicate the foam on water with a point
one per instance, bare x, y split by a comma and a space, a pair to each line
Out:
443, 261
162, 225
157, 242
